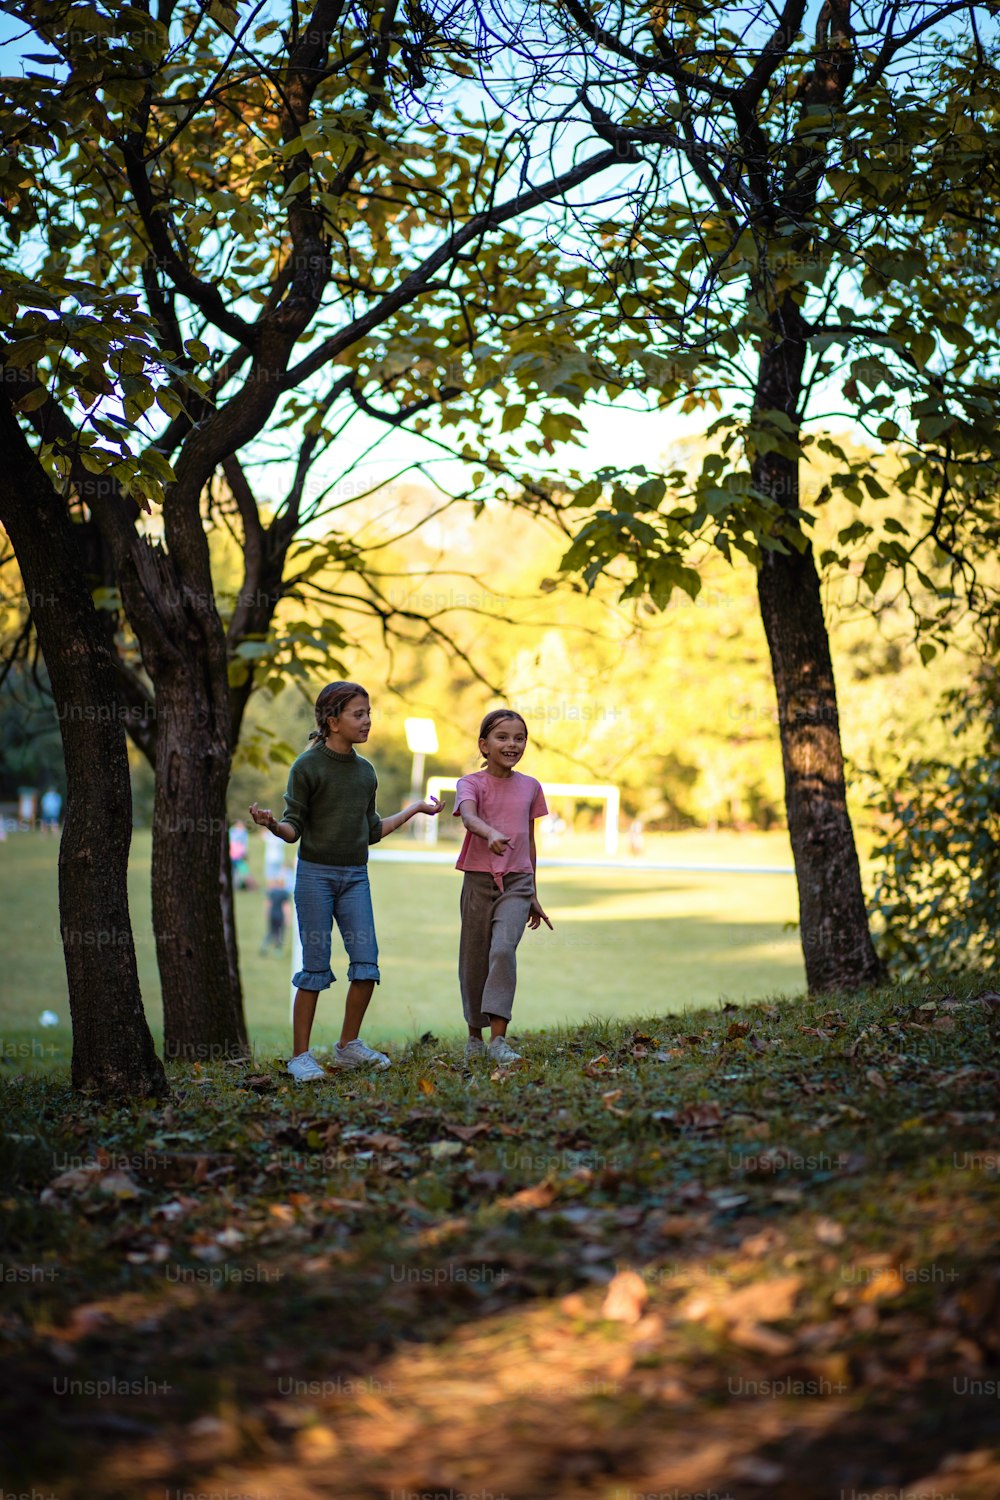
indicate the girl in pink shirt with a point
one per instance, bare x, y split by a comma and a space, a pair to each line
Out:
498, 806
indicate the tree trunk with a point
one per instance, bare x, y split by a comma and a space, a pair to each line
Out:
191, 878
113, 1051
836, 942
168, 596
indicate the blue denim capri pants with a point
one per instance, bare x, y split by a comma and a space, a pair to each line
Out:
325, 894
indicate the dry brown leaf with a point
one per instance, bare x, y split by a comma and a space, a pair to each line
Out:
885, 1283
595, 1066
539, 1196
760, 1339
700, 1116
829, 1232
468, 1132
680, 1226
768, 1301
626, 1299
314, 1445
378, 1140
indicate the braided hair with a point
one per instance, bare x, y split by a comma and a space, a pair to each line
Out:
331, 703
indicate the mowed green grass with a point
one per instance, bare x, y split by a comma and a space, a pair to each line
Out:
627, 942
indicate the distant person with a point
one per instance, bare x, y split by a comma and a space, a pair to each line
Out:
50, 808
498, 806
330, 805
636, 837
276, 902
277, 886
274, 860
239, 850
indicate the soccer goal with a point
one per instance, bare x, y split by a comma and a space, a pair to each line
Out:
577, 791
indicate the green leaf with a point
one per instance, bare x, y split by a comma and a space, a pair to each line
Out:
34, 399
874, 571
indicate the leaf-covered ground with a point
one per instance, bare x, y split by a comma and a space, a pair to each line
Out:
736, 1253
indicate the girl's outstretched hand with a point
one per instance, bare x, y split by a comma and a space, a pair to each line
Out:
536, 916
432, 806
497, 841
263, 816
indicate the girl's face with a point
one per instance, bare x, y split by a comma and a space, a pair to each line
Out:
355, 720
504, 746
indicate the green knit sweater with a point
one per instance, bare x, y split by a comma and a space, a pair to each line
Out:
330, 802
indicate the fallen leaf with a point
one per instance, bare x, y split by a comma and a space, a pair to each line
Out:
768, 1301
440, 1150
885, 1283
703, 1116
86, 1319
828, 1232
468, 1132
680, 1226
593, 1067
761, 1340
489, 1180
425, 1086
539, 1196
314, 1445
380, 1140
119, 1185
626, 1299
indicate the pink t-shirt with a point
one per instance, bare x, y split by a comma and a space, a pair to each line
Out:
508, 803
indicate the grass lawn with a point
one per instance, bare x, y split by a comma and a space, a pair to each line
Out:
732, 1254
626, 942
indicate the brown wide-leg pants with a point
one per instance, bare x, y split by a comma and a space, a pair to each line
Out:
492, 924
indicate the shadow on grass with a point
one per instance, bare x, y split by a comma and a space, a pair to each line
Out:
398, 1287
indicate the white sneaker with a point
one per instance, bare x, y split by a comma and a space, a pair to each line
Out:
305, 1069
475, 1047
500, 1051
357, 1055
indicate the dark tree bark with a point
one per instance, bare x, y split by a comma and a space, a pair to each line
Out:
191, 878
836, 941
113, 1051
193, 918
184, 653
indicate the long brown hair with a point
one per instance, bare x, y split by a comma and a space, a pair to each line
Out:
496, 716
331, 703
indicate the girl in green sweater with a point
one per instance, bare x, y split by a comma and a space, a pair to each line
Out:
330, 806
